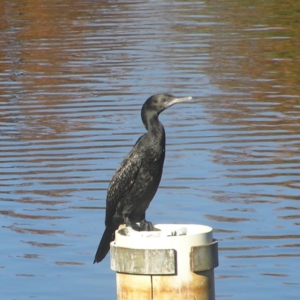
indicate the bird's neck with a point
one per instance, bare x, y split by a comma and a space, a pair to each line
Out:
155, 128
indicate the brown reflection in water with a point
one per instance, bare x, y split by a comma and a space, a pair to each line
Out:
290, 246
26, 275
240, 248
31, 256
53, 193
263, 46
37, 51
289, 217
264, 256
274, 274
87, 207
270, 237
226, 219
43, 202
12, 214
256, 53
43, 245
14, 228
69, 263
218, 230
231, 276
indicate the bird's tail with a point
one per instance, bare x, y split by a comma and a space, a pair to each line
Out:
103, 248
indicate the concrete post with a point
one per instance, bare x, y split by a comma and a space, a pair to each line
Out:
175, 262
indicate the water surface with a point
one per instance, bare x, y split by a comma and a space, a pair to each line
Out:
73, 77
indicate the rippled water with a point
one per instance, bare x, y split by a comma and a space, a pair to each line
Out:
73, 77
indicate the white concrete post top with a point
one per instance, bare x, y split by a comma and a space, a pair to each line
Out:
166, 236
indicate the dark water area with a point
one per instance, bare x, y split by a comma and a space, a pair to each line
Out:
73, 77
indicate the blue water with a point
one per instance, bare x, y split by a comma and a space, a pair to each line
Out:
74, 75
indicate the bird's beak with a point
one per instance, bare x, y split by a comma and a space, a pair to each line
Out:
176, 100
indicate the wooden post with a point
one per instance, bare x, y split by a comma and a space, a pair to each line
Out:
177, 262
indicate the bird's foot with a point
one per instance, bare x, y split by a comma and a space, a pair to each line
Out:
135, 226
143, 226
146, 226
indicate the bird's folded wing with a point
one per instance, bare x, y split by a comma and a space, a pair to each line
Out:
121, 183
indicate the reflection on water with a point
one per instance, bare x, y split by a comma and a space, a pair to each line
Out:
73, 77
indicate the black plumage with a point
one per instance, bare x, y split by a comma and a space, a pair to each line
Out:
137, 178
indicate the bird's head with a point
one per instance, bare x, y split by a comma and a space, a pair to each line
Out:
159, 102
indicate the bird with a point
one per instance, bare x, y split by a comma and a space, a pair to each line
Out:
137, 178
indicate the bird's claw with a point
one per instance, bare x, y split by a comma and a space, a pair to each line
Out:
146, 226
143, 226
135, 226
